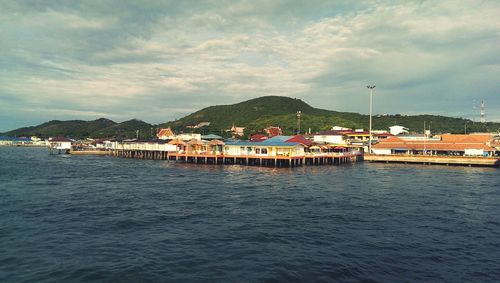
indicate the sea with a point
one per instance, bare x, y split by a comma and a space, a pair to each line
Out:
70, 218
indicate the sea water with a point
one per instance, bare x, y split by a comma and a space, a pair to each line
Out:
105, 219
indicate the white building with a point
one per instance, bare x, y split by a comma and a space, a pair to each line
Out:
277, 146
329, 139
188, 137
139, 145
397, 130
338, 128
60, 145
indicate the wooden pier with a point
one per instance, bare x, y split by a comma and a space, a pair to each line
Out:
141, 154
249, 160
434, 159
90, 152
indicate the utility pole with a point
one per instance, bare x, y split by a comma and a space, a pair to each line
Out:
371, 87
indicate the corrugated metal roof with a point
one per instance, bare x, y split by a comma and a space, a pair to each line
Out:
278, 138
300, 139
263, 143
436, 145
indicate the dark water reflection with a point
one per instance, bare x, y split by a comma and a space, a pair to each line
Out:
104, 219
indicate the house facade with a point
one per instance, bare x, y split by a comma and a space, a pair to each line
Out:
188, 136
59, 145
329, 137
446, 145
4, 140
277, 146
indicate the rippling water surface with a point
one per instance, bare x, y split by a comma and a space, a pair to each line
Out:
105, 219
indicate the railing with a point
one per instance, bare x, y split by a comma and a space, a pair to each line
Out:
435, 156
143, 146
330, 154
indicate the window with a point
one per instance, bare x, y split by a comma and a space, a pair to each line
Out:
263, 151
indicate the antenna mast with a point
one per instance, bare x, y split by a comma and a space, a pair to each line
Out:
483, 118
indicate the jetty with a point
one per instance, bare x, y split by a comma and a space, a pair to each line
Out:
251, 160
323, 148
89, 152
446, 149
436, 160
268, 161
280, 151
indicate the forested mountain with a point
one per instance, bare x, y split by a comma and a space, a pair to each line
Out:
255, 114
81, 129
262, 112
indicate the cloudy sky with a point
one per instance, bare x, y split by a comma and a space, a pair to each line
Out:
161, 60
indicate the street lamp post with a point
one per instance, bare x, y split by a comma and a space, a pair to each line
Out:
371, 87
299, 113
425, 149
426, 137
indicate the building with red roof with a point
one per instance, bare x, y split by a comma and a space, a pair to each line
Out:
273, 131
258, 137
300, 139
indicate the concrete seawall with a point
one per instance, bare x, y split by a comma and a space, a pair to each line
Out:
443, 160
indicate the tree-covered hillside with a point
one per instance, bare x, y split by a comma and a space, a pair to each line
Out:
262, 112
81, 129
255, 115
241, 114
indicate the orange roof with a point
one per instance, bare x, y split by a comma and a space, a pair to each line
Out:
177, 142
466, 143
165, 133
360, 134
466, 138
393, 139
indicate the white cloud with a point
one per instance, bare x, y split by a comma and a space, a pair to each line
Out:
414, 52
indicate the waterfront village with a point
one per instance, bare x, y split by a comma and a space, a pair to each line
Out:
271, 148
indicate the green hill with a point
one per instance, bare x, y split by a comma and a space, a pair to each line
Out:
223, 116
72, 128
81, 129
262, 112
127, 129
255, 114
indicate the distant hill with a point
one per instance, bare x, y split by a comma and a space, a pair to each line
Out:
223, 116
80, 129
127, 129
255, 114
